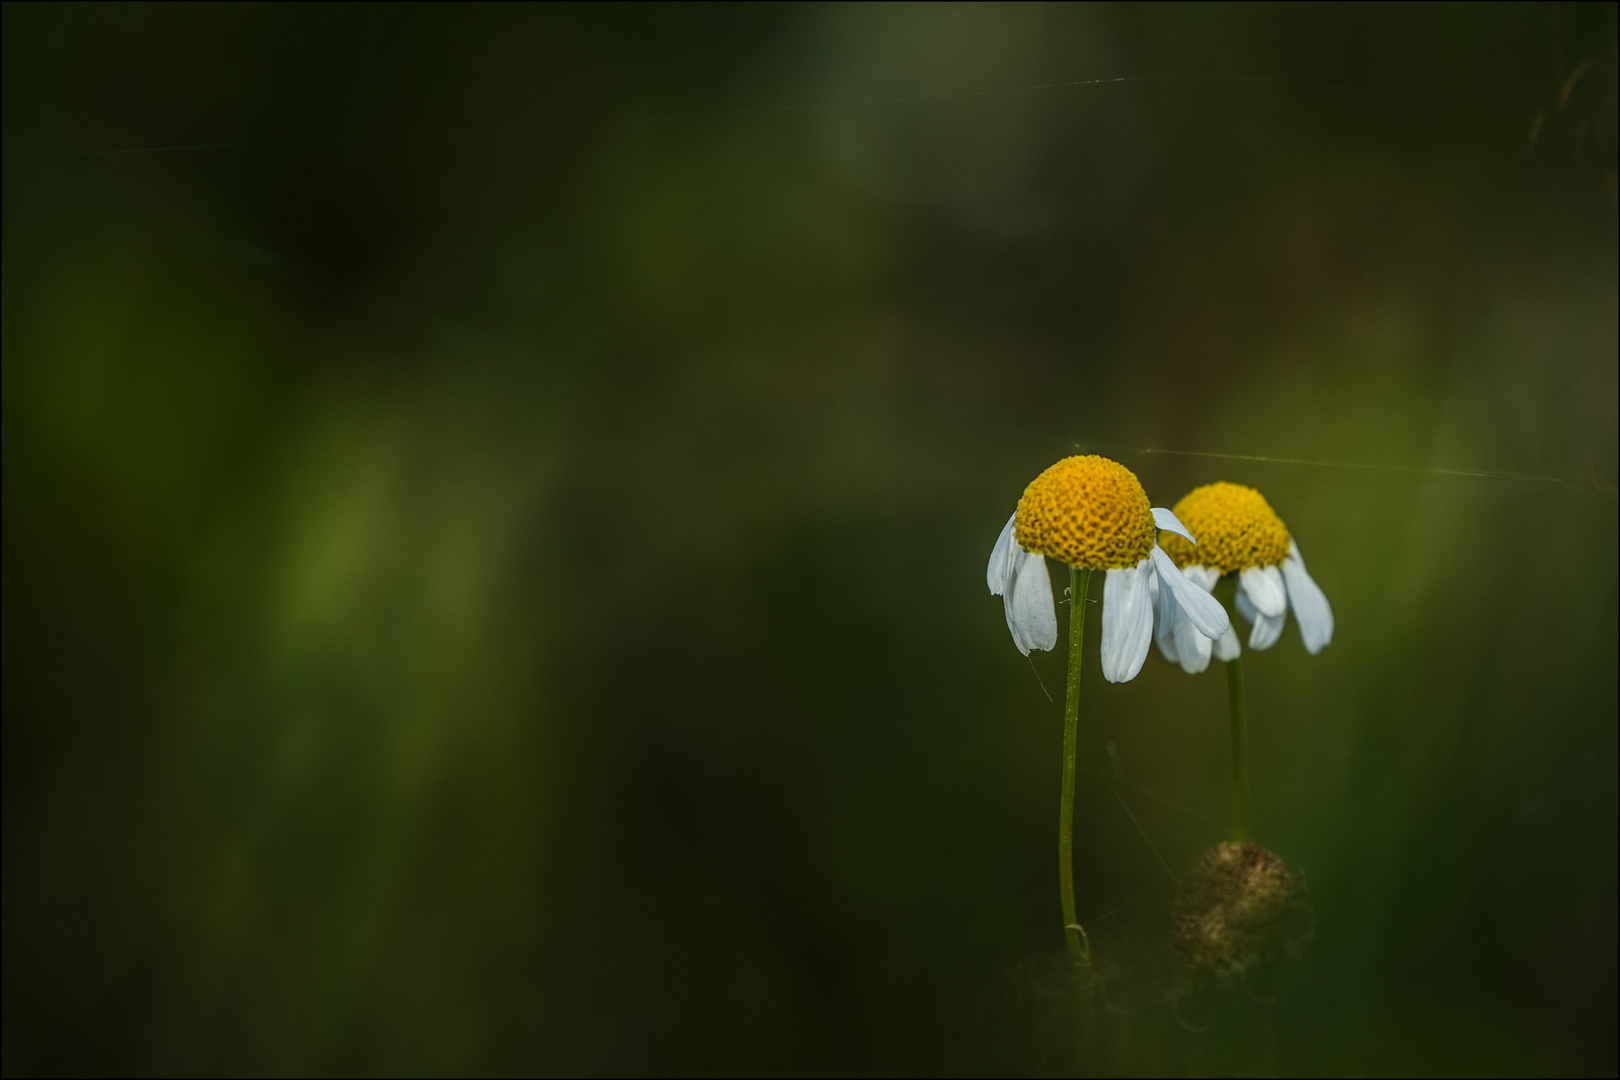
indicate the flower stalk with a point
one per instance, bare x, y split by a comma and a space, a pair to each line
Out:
1240, 749
1237, 706
1075, 934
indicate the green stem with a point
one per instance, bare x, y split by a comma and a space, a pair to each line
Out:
1073, 932
1240, 749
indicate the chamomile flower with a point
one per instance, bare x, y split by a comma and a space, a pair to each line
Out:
1092, 513
1239, 534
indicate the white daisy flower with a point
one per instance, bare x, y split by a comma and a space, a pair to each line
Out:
1239, 534
1092, 513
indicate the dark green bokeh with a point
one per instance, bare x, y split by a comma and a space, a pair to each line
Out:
496, 503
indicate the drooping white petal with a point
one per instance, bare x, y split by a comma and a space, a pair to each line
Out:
1127, 622
1205, 577
1191, 646
1204, 610
1265, 631
1164, 619
1309, 602
1028, 603
1227, 647
1265, 588
1167, 521
998, 575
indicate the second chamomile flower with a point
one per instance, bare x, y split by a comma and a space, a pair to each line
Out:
1239, 534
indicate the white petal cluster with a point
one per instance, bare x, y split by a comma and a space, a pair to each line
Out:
1264, 595
1130, 596
1020, 579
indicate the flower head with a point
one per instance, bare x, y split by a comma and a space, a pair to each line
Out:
1237, 528
1240, 534
1092, 513
1088, 512
1238, 904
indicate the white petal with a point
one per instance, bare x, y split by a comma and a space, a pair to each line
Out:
1245, 607
1191, 646
998, 575
1227, 647
1265, 588
1167, 521
1310, 603
1205, 577
1164, 619
1266, 630
1127, 622
1030, 614
1204, 610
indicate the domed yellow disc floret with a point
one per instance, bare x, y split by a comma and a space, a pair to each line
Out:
1086, 511
1235, 526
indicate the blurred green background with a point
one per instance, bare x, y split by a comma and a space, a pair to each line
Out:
496, 502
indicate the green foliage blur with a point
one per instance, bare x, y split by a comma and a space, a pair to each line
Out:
496, 502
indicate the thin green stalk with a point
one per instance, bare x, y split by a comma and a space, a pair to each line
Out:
1074, 933
1240, 749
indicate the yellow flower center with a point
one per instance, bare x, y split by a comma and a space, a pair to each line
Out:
1235, 526
1088, 512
